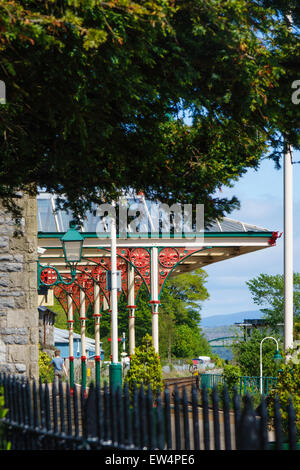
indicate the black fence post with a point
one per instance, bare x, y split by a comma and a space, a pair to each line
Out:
248, 437
114, 419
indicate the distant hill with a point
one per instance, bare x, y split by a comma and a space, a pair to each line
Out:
229, 319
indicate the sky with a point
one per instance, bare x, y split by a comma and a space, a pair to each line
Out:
261, 197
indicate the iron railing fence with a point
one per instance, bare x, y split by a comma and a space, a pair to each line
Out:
252, 385
246, 384
108, 418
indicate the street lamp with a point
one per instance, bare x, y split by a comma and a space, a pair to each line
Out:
277, 358
72, 243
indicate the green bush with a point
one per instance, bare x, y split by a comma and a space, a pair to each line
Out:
145, 367
288, 386
44, 362
4, 445
232, 376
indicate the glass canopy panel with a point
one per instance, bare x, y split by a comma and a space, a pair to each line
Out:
46, 221
142, 216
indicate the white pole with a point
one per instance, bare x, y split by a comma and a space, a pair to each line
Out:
70, 323
82, 321
288, 243
260, 362
154, 297
131, 307
114, 293
97, 318
288, 250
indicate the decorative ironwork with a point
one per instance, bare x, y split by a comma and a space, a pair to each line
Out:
48, 276
168, 257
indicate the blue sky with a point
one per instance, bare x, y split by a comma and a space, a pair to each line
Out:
261, 197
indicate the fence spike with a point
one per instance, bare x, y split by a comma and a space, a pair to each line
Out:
69, 412
292, 430
150, 422
90, 417
54, 406
215, 399
186, 420
159, 422
248, 429
263, 425
205, 412
99, 412
167, 417
113, 416
143, 424
226, 411
120, 420
278, 425
195, 417
135, 417
128, 442
177, 419
106, 413
76, 411
237, 414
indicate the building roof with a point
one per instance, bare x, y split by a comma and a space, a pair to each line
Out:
51, 219
62, 336
222, 240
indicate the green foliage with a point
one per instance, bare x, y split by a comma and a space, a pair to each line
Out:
145, 367
268, 293
189, 342
232, 374
4, 445
179, 331
288, 386
247, 355
145, 65
44, 362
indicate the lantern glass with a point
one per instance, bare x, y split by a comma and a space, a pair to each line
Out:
277, 356
72, 243
72, 251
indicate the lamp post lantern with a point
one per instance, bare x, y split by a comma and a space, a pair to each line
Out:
72, 243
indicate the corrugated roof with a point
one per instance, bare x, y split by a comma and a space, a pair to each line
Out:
51, 220
62, 336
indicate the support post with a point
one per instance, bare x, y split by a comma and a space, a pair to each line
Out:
71, 342
97, 316
154, 297
288, 243
131, 308
82, 335
115, 367
288, 250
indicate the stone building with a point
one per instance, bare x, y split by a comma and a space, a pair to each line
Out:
19, 330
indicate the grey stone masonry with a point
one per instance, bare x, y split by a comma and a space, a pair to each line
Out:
18, 292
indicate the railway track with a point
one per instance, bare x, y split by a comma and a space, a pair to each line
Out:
181, 383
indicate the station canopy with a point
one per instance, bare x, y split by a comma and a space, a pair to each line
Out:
223, 239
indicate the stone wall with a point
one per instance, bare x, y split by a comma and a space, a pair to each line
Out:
19, 331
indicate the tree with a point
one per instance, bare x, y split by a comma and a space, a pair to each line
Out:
189, 342
268, 292
145, 367
179, 331
97, 93
246, 354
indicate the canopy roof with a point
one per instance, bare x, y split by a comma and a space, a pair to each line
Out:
223, 240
